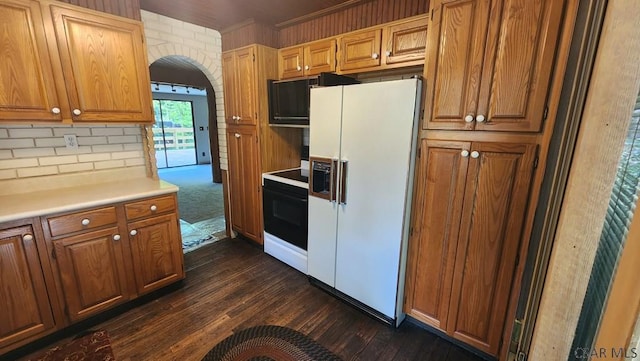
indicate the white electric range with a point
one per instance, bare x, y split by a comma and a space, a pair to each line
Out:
285, 205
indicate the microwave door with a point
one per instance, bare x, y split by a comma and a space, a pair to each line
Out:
323, 178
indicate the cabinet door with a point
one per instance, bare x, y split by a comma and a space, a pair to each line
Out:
518, 66
320, 57
27, 89
23, 296
244, 182
104, 62
229, 87
440, 182
405, 42
246, 87
92, 272
455, 45
156, 250
290, 62
360, 50
494, 207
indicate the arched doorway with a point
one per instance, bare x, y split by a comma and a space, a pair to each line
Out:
188, 154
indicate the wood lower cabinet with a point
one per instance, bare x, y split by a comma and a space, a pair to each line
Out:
490, 63
73, 64
92, 272
469, 211
244, 181
24, 298
157, 257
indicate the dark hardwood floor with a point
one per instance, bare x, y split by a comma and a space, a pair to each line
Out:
232, 285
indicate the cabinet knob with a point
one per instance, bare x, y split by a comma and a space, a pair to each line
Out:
298, 68
116, 237
475, 154
133, 232
153, 208
237, 135
388, 53
464, 153
55, 110
85, 222
77, 112
468, 118
238, 117
27, 237
480, 118
374, 56
234, 117
306, 67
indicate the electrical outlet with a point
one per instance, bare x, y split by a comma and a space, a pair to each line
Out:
71, 141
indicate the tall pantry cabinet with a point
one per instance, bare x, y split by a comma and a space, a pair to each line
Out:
253, 146
488, 69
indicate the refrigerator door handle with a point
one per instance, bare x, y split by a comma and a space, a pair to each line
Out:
343, 181
333, 187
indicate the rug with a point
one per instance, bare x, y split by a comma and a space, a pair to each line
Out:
201, 233
269, 343
91, 346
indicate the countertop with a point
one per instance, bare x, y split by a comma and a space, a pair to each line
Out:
33, 204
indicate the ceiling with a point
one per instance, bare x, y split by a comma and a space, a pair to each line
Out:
220, 14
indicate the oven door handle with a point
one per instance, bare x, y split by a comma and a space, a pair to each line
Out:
286, 196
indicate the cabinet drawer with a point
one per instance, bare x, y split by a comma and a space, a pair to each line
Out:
150, 207
80, 221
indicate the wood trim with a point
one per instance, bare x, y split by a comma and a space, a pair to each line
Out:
612, 93
566, 101
225, 197
623, 307
319, 13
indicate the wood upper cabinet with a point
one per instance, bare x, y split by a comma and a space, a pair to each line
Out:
490, 63
244, 181
310, 59
26, 311
156, 250
240, 86
360, 49
64, 62
92, 271
27, 90
104, 63
405, 42
470, 209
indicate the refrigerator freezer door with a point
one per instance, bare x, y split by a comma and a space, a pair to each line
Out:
324, 142
377, 137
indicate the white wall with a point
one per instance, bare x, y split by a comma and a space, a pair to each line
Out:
200, 119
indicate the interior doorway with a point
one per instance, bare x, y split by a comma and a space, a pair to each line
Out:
186, 143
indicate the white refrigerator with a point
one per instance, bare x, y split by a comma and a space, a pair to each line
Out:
362, 147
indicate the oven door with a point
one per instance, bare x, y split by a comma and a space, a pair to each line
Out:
286, 212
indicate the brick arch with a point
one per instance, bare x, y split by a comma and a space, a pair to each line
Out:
197, 58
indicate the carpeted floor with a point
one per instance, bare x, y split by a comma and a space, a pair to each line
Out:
200, 205
198, 198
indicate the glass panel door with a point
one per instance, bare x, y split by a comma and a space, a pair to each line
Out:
173, 135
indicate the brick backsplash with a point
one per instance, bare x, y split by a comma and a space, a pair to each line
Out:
28, 151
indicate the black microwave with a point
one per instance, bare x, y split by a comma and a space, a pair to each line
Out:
289, 99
